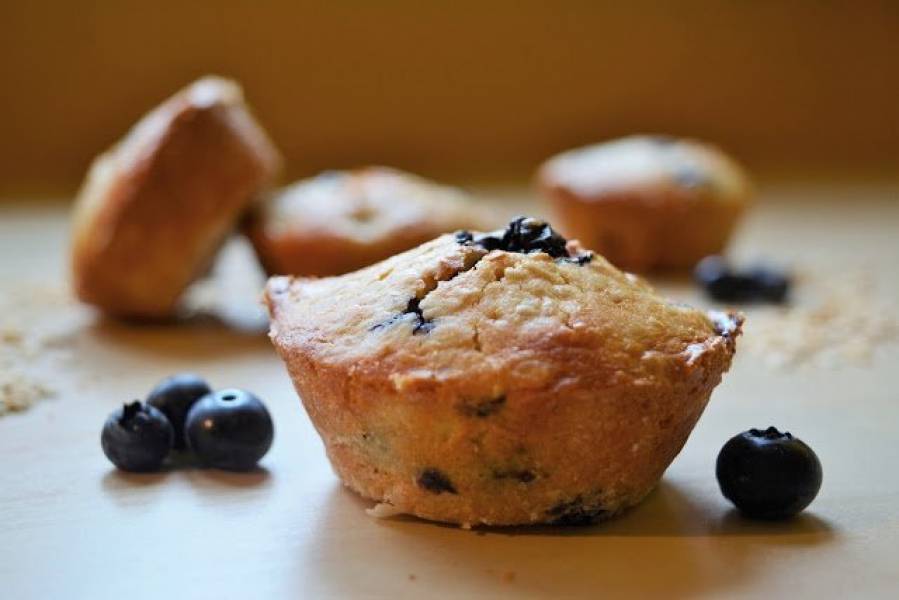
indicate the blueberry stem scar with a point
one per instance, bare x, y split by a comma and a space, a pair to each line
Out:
129, 411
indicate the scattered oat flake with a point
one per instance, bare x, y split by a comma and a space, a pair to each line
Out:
18, 391
38, 324
831, 322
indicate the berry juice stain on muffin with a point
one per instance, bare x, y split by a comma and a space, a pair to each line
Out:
484, 362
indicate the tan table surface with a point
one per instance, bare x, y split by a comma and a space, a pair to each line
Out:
71, 526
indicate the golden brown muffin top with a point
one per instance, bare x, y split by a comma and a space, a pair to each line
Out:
490, 320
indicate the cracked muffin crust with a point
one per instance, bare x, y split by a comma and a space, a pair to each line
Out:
341, 221
155, 208
647, 202
501, 379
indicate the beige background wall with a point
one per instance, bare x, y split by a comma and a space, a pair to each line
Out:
458, 89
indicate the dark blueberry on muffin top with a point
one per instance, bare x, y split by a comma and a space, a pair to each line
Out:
522, 234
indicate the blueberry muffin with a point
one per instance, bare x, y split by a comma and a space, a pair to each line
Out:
502, 379
155, 208
342, 221
647, 202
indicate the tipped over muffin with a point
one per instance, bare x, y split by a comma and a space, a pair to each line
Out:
647, 202
503, 378
341, 221
156, 207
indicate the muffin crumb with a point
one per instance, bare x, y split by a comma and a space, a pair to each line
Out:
832, 322
383, 510
18, 391
27, 353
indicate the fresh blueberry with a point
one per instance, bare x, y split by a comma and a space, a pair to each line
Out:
527, 234
710, 269
174, 396
137, 437
229, 429
725, 284
768, 474
722, 284
772, 285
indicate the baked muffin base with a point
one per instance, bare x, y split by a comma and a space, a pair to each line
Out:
509, 493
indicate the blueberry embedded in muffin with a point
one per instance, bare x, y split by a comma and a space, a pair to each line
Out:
457, 380
526, 235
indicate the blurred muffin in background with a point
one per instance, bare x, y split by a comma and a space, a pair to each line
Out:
647, 202
155, 208
341, 221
